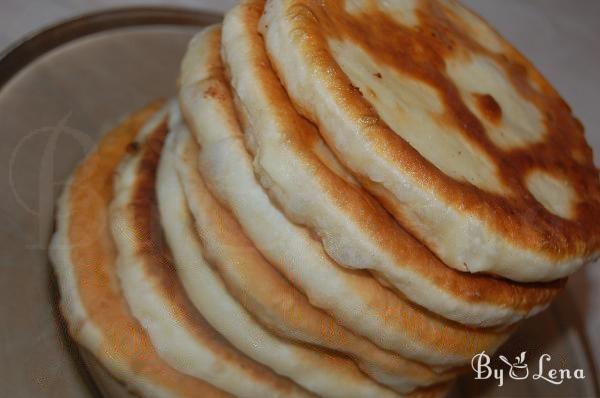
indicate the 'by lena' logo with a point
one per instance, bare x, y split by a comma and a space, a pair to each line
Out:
519, 370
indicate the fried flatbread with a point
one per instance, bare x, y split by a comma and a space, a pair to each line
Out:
92, 303
250, 278
154, 294
461, 138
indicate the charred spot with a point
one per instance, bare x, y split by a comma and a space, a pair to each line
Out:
378, 75
356, 89
489, 107
133, 148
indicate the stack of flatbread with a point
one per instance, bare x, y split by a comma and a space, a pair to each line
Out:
348, 199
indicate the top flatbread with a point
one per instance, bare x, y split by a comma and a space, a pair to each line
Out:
452, 129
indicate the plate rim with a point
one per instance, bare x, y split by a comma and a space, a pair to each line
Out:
26, 50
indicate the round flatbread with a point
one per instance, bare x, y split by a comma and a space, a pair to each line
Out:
154, 294
92, 303
461, 138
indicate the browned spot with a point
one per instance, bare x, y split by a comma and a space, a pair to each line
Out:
378, 75
132, 148
489, 107
210, 92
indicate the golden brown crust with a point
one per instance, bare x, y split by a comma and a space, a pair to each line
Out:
263, 291
152, 249
369, 213
93, 259
433, 333
421, 53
